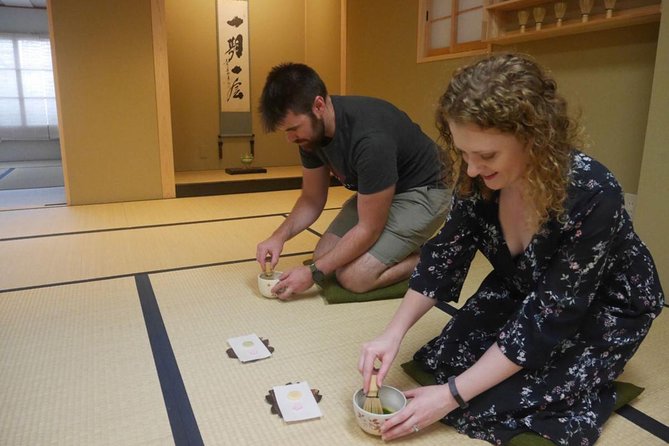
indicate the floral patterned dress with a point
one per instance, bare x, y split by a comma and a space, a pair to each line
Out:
571, 309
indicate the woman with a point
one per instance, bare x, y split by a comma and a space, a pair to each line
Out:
573, 291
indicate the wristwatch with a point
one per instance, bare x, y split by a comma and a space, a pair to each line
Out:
316, 274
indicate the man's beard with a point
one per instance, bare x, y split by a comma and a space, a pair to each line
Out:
318, 139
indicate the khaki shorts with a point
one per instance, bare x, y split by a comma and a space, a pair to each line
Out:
415, 216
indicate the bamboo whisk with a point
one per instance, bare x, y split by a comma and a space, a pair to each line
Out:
523, 16
609, 5
372, 402
560, 11
268, 273
539, 13
586, 7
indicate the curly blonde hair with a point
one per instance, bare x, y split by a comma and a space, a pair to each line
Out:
513, 94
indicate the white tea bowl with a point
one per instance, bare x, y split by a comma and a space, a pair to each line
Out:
392, 400
265, 283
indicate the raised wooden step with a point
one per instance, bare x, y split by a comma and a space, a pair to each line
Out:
219, 182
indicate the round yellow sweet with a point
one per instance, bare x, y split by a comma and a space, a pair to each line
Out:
294, 395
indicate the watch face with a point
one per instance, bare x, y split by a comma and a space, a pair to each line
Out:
316, 274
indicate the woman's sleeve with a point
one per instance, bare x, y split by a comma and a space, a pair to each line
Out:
445, 259
556, 307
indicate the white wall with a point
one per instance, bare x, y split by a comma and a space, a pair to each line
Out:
24, 20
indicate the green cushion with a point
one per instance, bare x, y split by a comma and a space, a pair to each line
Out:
335, 294
419, 375
625, 392
529, 439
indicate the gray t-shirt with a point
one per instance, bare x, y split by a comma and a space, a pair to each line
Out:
375, 146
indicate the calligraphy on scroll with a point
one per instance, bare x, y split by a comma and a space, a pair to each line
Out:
233, 56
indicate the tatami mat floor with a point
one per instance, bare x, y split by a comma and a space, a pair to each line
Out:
13, 199
29, 184
114, 320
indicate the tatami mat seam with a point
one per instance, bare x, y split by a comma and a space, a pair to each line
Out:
36, 207
132, 274
160, 225
28, 188
316, 233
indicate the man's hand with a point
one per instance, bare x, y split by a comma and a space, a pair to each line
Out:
272, 248
292, 282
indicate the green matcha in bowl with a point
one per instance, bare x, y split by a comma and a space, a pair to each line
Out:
392, 400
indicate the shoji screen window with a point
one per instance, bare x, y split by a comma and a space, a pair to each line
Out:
27, 95
450, 28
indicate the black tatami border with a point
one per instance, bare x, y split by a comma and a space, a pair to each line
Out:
7, 172
185, 430
645, 422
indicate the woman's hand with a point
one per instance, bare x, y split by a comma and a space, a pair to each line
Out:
384, 348
426, 405
432, 403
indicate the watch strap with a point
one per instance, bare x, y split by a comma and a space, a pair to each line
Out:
455, 393
316, 274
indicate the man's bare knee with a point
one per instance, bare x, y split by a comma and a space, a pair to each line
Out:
367, 273
354, 284
356, 281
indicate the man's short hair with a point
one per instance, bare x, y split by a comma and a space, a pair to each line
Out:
289, 87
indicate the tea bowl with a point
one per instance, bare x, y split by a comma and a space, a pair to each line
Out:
265, 283
392, 401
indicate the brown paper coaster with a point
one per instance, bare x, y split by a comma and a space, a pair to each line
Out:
271, 400
231, 353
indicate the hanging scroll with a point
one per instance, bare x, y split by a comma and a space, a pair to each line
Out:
234, 77
233, 56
